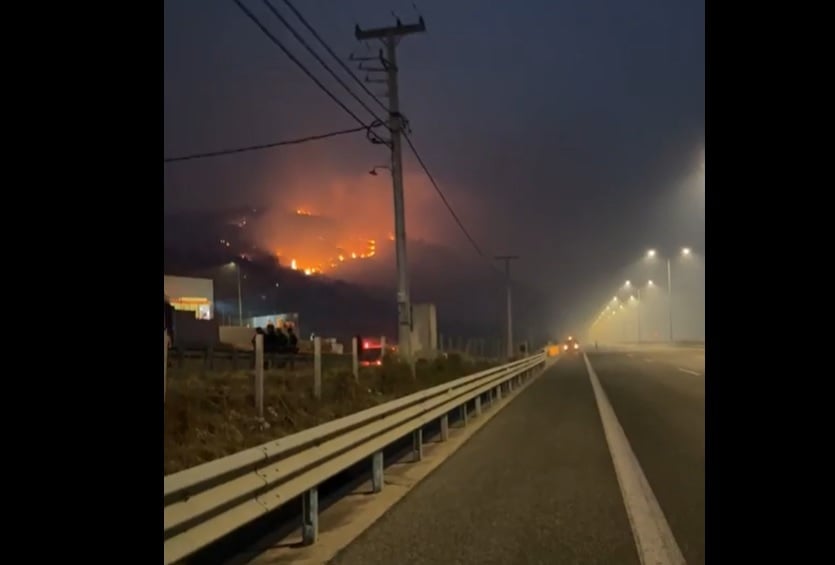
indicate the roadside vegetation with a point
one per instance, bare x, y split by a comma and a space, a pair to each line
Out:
211, 414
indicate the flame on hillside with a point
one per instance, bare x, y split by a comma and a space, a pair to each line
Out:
315, 244
321, 223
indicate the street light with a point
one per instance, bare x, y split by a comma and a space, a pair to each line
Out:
638, 305
685, 251
240, 302
373, 172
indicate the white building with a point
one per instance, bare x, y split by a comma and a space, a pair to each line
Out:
191, 295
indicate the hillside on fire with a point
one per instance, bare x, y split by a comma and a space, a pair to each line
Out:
341, 281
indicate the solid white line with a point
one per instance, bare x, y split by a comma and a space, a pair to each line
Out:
653, 537
689, 371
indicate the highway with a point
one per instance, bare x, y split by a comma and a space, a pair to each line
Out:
538, 485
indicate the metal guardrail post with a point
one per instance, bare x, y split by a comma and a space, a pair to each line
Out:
478, 405
310, 516
464, 417
377, 472
317, 367
259, 375
417, 444
499, 392
445, 427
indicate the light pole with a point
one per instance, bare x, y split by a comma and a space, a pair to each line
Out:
685, 251
638, 300
638, 313
237, 268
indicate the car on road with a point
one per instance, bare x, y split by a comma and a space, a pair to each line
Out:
571, 345
371, 353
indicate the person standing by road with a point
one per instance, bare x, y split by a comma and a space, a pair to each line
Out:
292, 340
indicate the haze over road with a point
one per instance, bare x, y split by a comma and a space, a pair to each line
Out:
538, 484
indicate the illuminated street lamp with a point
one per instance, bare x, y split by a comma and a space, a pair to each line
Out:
638, 306
685, 251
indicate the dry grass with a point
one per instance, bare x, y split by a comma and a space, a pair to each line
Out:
211, 414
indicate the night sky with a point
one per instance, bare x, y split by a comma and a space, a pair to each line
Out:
570, 133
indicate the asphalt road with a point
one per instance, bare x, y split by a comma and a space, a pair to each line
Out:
537, 483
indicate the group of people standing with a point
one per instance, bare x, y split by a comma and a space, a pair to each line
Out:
276, 341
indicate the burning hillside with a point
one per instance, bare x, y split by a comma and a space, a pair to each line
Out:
314, 244
322, 221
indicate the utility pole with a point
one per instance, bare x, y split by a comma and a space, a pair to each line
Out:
389, 37
507, 259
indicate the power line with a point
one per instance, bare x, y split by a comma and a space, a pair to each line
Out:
266, 145
334, 55
316, 56
443, 198
304, 69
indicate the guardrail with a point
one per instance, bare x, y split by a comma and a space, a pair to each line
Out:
205, 503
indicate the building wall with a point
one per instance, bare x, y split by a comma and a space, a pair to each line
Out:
191, 332
424, 330
237, 336
188, 287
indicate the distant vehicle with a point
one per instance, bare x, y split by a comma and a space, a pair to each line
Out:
372, 352
571, 345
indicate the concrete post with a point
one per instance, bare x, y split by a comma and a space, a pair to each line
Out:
317, 367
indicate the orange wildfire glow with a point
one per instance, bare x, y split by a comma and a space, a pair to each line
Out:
324, 221
317, 258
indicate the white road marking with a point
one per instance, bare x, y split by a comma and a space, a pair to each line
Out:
689, 371
653, 537
647, 359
